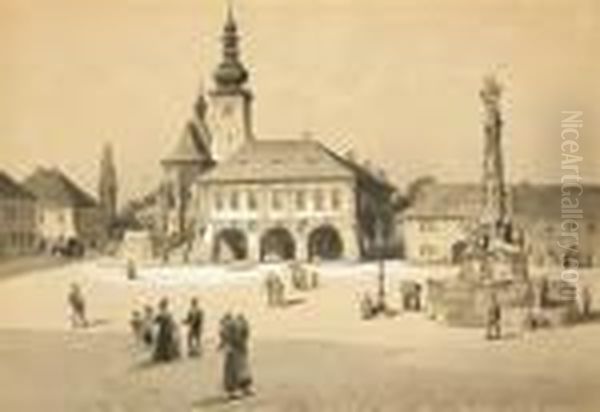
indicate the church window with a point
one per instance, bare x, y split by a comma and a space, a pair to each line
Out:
318, 199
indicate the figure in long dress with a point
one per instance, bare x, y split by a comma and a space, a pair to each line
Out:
241, 338
234, 335
167, 345
226, 331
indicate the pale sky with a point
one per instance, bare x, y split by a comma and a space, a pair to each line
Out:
397, 80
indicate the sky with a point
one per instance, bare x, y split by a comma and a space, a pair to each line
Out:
395, 80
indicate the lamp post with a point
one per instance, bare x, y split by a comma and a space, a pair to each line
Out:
380, 250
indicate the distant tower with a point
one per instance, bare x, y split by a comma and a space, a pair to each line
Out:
188, 159
107, 185
230, 115
494, 211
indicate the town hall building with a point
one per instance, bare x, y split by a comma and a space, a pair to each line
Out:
230, 195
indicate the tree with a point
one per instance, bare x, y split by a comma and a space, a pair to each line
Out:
107, 185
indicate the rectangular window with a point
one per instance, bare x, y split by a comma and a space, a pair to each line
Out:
10, 213
234, 200
318, 199
276, 200
218, 201
252, 203
427, 251
300, 200
336, 201
427, 226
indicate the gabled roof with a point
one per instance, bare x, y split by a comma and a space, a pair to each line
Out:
51, 186
192, 145
526, 201
279, 160
10, 189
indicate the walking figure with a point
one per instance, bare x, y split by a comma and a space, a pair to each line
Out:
234, 335
194, 322
494, 319
77, 304
167, 346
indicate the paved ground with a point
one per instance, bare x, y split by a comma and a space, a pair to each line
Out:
10, 267
61, 372
316, 355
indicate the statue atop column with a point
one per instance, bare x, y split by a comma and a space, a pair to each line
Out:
494, 213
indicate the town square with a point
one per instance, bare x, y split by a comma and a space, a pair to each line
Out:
321, 220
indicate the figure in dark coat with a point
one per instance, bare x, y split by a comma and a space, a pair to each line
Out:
241, 338
167, 345
194, 322
77, 304
494, 319
234, 335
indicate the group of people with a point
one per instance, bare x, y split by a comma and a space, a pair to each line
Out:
301, 279
160, 332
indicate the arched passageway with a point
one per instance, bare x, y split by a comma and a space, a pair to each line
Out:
325, 243
277, 244
230, 245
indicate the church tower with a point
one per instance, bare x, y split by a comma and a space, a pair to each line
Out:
230, 114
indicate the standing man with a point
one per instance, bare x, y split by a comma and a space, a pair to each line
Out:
77, 305
194, 322
494, 319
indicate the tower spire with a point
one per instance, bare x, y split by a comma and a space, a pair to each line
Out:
231, 73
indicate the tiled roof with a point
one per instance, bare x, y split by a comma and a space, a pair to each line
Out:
279, 160
543, 201
10, 189
452, 200
51, 186
527, 201
192, 145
